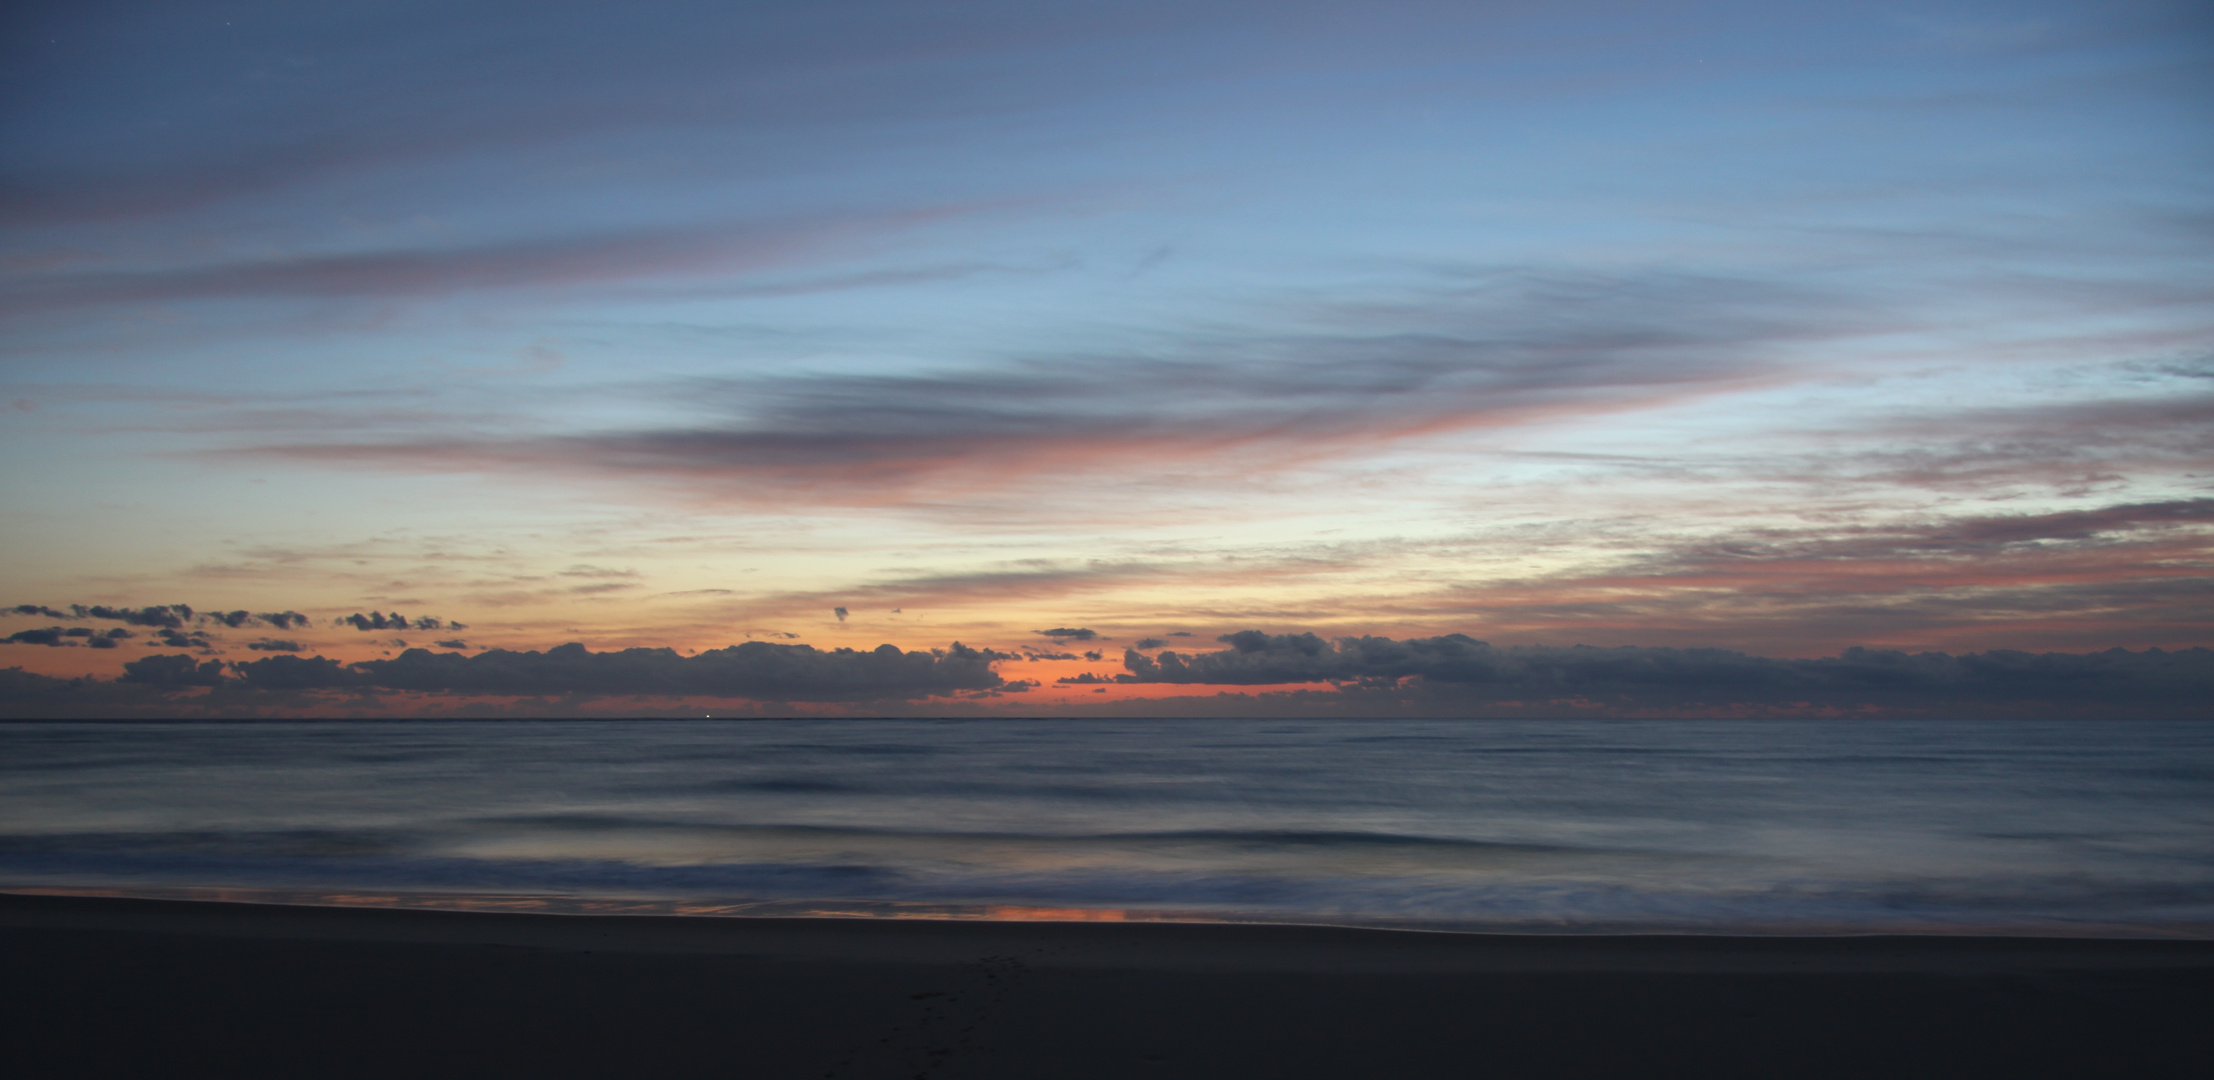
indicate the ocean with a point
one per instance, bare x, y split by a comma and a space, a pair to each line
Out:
1550, 826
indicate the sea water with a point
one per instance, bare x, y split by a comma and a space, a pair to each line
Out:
1732, 826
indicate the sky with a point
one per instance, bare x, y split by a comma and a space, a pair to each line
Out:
1717, 339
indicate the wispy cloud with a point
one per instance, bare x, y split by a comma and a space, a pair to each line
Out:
2138, 573
1517, 349
599, 261
2079, 445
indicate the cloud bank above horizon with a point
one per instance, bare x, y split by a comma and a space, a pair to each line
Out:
1298, 674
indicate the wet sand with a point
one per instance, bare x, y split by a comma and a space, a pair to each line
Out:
119, 987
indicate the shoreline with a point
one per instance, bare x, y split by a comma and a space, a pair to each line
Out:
571, 906
719, 929
113, 986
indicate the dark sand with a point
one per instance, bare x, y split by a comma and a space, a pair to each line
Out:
114, 987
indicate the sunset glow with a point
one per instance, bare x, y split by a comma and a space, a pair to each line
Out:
1076, 335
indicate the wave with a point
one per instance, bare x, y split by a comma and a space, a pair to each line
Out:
1264, 836
1851, 906
1568, 824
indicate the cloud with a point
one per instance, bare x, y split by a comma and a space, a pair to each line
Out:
378, 98
1149, 643
178, 639
755, 669
1067, 633
452, 643
394, 621
963, 589
2183, 522
295, 673
273, 645
840, 612
435, 271
1464, 351
173, 672
171, 616
1630, 677
51, 636
586, 570
2139, 573
2066, 446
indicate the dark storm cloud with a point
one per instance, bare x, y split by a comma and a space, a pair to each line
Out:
274, 645
1068, 633
1150, 643
41, 610
51, 635
453, 643
1633, 676
755, 669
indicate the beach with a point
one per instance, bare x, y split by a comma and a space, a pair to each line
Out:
115, 986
